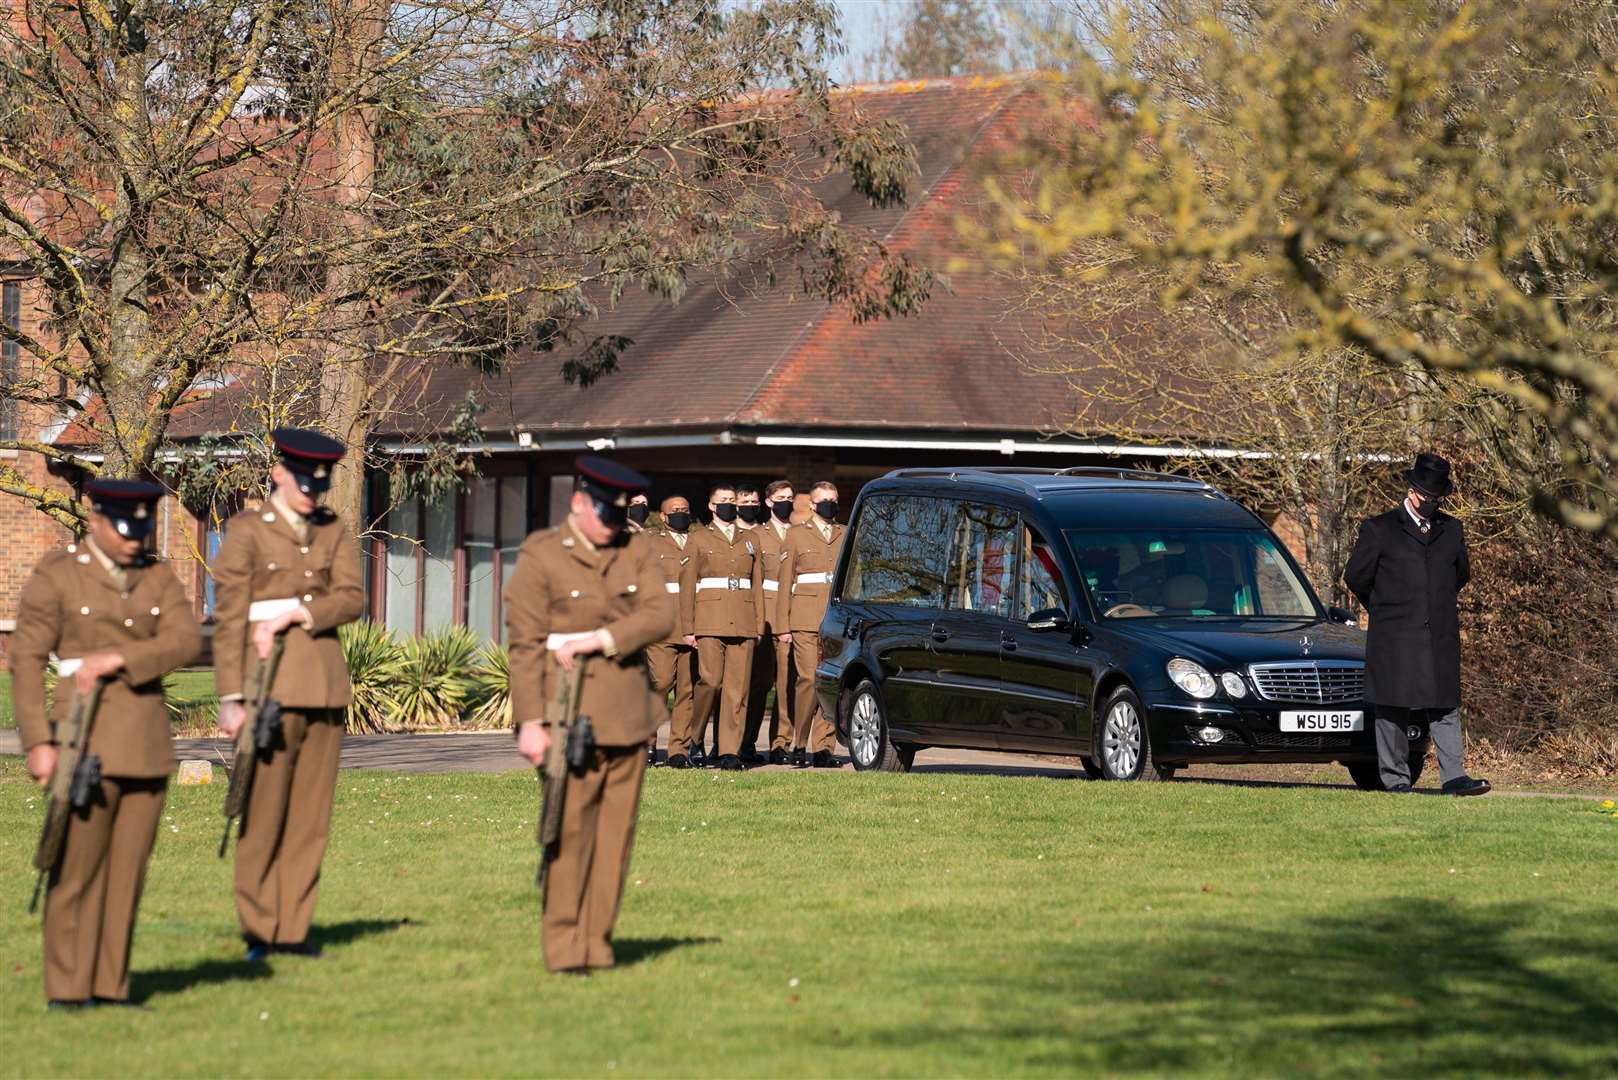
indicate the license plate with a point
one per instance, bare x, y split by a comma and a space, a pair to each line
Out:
1323, 721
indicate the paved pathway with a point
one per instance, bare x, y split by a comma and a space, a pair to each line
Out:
490, 752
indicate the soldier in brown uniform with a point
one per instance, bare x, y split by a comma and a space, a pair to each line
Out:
772, 659
721, 604
673, 663
811, 557
290, 567
582, 588
108, 611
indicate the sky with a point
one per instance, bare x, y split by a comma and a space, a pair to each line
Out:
860, 31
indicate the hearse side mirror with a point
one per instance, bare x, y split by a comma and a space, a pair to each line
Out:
1049, 619
1337, 614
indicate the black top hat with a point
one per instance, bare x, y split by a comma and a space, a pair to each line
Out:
309, 456
609, 484
1430, 475
131, 505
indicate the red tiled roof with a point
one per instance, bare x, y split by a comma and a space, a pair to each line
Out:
729, 353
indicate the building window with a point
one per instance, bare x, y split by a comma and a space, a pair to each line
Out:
446, 563
10, 362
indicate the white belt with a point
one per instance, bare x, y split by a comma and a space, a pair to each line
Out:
66, 667
672, 586
265, 610
771, 585
724, 583
819, 577
556, 641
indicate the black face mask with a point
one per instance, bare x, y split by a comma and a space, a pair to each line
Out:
610, 515
725, 512
782, 510
752, 513
637, 513
677, 520
827, 508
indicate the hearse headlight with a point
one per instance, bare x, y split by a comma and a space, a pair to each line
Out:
1233, 684
1192, 677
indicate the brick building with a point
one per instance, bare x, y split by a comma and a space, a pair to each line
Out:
738, 380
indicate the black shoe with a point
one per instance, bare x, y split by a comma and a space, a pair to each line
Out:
680, 761
257, 951
697, 760
116, 1003
752, 757
651, 755
69, 1004
1465, 785
824, 759
730, 763
1399, 789
778, 756
800, 759
301, 948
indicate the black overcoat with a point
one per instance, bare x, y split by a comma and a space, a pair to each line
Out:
1409, 582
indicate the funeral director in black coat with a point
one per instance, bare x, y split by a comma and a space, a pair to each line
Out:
1407, 568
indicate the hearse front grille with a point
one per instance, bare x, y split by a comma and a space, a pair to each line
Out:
1311, 682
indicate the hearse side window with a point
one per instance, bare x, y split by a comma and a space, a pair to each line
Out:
983, 554
1189, 573
901, 548
1040, 586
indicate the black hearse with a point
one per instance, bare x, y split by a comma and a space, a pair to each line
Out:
1140, 620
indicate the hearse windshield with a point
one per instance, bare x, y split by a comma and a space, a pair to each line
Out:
1188, 574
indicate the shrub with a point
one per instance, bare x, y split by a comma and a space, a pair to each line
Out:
438, 683
375, 666
493, 710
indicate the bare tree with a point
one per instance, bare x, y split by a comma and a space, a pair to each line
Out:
318, 199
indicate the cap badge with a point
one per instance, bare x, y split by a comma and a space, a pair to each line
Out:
322, 471
140, 513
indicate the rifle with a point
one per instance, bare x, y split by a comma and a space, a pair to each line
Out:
572, 741
75, 778
256, 736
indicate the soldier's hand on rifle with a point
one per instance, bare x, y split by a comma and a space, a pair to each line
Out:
533, 739
579, 647
232, 715
42, 762
264, 632
95, 666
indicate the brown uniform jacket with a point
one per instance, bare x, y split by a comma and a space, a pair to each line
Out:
263, 559
72, 607
560, 586
734, 609
671, 557
773, 550
799, 607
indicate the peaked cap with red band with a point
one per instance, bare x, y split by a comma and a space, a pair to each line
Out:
309, 456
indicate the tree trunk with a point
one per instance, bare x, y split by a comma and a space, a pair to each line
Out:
344, 383
125, 375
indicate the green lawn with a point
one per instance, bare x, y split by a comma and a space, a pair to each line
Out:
848, 925
191, 692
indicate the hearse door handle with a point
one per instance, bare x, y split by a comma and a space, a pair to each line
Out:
1008, 643
940, 635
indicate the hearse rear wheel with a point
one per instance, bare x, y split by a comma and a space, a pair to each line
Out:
868, 741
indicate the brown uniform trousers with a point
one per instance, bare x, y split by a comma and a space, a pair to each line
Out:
721, 600
265, 558
671, 662
805, 586
72, 606
772, 659
562, 585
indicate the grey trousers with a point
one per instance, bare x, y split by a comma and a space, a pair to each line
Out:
1393, 743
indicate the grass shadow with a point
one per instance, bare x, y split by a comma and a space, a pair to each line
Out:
149, 984
628, 951
1403, 986
145, 985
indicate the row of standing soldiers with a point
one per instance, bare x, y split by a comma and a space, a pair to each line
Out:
677, 610
752, 588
